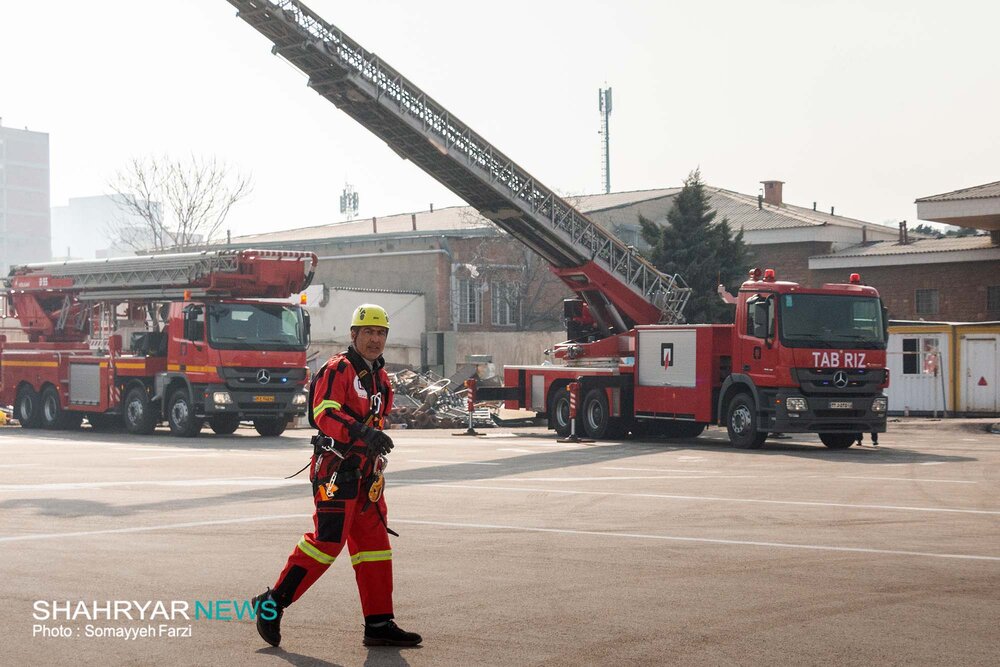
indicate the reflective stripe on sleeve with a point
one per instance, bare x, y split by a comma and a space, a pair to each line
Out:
370, 556
323, 405
315, 553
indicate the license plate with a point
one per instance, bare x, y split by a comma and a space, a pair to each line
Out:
841, 405
263, 399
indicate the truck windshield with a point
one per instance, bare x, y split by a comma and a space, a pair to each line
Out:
823, 320
246, 326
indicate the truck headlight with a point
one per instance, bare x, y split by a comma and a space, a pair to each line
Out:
222, 398
796, 404
300, 399
880, 404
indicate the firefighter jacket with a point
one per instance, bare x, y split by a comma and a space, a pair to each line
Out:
345, 392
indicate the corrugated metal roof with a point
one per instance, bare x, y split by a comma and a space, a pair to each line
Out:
976, 192
947, 244
741, 210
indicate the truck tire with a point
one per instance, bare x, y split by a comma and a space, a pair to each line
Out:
559, 412
224, 424
741, 423
184, 423
597, 420
28, 407
140, 418
270, 427
51, 410
837, 440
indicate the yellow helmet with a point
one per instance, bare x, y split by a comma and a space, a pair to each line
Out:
370, 315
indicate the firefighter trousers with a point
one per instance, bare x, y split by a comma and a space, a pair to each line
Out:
338, 520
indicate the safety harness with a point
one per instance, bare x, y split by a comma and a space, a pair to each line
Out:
323, 445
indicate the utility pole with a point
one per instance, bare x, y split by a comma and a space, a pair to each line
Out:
604, 105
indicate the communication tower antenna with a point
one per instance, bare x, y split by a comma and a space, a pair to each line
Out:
604, 105
349, 202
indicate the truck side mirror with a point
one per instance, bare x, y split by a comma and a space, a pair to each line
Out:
307, 323
885, 323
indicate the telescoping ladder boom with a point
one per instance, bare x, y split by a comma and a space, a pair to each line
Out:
621, 287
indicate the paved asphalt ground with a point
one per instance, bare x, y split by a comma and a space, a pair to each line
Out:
518, 550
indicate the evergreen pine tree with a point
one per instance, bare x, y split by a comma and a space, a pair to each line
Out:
703, 253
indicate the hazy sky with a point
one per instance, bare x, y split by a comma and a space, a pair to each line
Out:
862, 105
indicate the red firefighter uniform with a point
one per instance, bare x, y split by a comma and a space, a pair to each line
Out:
345, 394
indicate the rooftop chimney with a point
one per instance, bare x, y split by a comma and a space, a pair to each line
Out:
772, 192
374, 226
413, 221
432, 207
760, 202
904, 236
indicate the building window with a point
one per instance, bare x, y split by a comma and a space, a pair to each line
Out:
920, 355
504, 304
993, 299
927, 302
470, 303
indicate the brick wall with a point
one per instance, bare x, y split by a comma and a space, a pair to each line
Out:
790, 261
961, 288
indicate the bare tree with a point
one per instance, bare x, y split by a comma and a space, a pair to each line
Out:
523, 281
174, 203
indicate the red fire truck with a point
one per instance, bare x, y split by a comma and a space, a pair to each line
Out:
183, 338
796, 360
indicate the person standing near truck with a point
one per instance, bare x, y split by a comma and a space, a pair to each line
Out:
349, 398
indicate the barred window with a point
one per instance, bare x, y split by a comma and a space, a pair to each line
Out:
470, 305
927, 302
504, 304
993, 299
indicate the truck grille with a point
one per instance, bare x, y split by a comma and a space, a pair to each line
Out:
821, 381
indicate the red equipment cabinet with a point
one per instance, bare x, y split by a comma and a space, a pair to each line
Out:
182, 338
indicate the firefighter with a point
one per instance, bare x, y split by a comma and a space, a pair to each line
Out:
350, 397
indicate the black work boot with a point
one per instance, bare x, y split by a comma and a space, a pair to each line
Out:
389, 634
268, 628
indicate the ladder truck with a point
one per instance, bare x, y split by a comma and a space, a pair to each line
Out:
183, 338
796, 359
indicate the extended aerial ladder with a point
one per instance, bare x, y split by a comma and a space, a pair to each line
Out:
621, 288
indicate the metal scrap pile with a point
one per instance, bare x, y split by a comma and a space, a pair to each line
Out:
427, 400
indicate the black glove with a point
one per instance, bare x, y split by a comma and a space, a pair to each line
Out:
378, 442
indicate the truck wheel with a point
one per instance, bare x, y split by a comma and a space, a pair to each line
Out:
597, 420
270, 427
837, 440
27, 407
51, 409
183, 421
559, 412
741, 422
140, 418
224, 424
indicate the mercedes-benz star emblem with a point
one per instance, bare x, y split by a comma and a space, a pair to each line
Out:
839, 379
263, 377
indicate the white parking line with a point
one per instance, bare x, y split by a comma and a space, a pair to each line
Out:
518, 451
456, 463
913, 479
619, 478
703, 540
174, 456
662, 496
532, 529
238, 481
